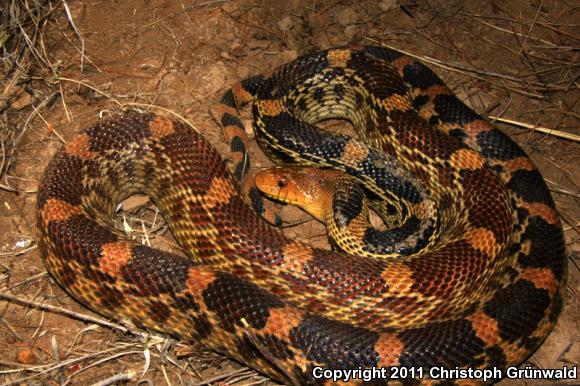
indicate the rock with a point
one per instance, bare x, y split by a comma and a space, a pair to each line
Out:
376, 222
134, 202
387, 5
212, 79
236, 45
285, 24
151, 63
226, 55
288, 55
351, 31
293, 214
249, 127
258, 43
347, 17
243, 71
572, 352
25, 356
23, 100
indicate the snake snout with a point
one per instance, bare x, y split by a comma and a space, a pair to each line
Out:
305, 187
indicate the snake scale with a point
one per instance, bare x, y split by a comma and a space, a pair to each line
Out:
485, 295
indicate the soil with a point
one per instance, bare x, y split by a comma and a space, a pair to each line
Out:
517, 60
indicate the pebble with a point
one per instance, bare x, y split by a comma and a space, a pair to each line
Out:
243, 71
134, 201
25, 356
387, 5
347, 17
258, 43
23, 100
288, 55
350, 31
285, 24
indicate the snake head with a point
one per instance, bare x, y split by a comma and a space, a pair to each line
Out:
309, 188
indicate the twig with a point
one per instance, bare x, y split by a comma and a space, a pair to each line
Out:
458, 67
72, 23
556, 133
62, 311
92, 88
10, 329
531, 26
128, 376
101, 361
44, 369
18, 253
550, 44
36, 111
221, 377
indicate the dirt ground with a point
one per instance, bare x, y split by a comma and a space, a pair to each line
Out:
517, 60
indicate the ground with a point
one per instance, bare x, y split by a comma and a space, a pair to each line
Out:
515, 61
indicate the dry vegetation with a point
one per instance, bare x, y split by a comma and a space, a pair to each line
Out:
66, 63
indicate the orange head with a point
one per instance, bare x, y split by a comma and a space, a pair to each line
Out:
308, 188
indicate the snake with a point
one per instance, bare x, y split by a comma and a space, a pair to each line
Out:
483, 291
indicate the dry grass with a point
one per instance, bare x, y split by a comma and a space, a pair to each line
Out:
21, 41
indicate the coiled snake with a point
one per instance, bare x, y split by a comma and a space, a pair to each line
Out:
485, 294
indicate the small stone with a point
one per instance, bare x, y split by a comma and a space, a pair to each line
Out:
347, 17
243, 71
351, 31
134, 202
249, 128
226, 55
573, 352
285, 24
152, 63
292, 214
23, 100
258, 43
212, 79
376, 222
387, 5
236, 45
288, 55
25, 356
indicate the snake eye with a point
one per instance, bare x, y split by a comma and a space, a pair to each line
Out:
282, 183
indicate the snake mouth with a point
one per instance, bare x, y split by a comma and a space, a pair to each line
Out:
278, 198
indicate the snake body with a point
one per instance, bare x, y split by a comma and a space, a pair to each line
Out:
484, 291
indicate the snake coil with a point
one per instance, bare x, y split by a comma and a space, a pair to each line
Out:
486, 296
